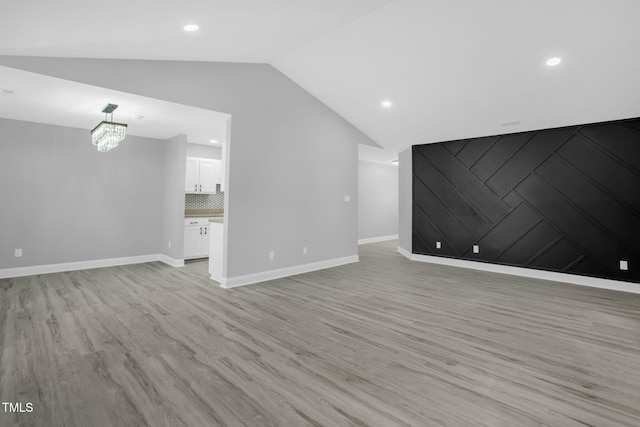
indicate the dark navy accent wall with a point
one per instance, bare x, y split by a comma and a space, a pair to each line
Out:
565, 199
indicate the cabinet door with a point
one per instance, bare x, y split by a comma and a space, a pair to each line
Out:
223, 165
205, 241
192, 242
218, 171
191, 176
207, 176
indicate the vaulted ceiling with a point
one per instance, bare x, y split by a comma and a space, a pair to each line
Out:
451, 69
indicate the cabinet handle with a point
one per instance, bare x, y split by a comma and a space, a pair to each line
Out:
205, 231
200, 187
196, 187
200, 230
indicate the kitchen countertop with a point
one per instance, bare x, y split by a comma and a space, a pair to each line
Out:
217, 219
203, 213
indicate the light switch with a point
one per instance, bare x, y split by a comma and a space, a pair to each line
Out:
476, 249
624, 265
347, 198
438, 245
17, 253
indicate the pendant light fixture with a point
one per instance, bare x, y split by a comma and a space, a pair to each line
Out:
108, 134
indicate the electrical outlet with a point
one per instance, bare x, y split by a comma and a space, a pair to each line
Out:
476, 249
304, 250
624, 265
347, 198
438, 245
17, 253
272, 255
169, 244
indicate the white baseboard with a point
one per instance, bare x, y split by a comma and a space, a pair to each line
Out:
377, 239
171, 261
250, 279
574, 279
406, 253
86, 265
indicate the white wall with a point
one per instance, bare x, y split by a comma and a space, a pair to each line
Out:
405, 183
292, 159
377, 200
175, 155
62, 201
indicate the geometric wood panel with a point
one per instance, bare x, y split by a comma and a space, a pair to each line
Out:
564, 199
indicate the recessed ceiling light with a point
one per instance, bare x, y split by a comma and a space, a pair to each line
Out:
552, 62
386, 104
213, 141
395, 162
191, 27
138, 117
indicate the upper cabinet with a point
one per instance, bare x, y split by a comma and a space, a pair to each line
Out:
202, 175
208, 175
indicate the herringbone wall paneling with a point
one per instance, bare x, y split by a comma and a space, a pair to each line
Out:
565, 199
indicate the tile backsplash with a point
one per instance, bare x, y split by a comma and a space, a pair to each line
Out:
204, 201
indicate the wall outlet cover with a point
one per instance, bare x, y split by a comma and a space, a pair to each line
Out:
438, 245
476, 249
17, 253
624, 265
272, 255
304, 250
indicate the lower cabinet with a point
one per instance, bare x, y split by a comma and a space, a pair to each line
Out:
196, 238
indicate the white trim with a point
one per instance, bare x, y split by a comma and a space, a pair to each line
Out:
171, 261
249, 279
86, 265
575, 279
377, 239
405, 252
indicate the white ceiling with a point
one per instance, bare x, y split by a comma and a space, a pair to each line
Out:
452, 69
43, 99
230, 30
462, 68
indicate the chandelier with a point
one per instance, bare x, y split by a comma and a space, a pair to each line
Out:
108, 134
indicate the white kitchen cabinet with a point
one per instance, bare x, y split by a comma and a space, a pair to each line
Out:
223, 166
201, 176
219, 174
196, 238
191, 175
208, 175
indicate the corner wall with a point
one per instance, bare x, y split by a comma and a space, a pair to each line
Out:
172, 213
405, 200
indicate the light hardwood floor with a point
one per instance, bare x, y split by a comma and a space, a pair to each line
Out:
383, 342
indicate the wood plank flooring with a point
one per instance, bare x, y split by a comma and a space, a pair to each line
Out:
383, 342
